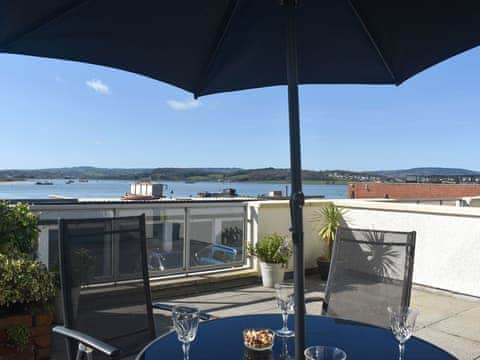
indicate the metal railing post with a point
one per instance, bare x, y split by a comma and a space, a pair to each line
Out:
115, 262
186, 242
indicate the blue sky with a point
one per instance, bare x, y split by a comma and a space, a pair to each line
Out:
56, 113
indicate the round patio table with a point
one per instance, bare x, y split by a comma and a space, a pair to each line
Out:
222, 339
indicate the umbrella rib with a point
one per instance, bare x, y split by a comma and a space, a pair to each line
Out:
373, 42
43, 22
212, 55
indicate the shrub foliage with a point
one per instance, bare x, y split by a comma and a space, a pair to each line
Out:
273, 249
18, 229
23, 283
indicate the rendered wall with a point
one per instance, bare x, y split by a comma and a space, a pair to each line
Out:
447, 252
274, 216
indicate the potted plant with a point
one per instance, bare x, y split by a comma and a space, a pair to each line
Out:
273, 252
26, 287
331, 217
18, 342
83, 264
18, 230
84, 268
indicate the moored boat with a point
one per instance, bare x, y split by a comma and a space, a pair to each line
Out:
130, 196
44, 183
145, 190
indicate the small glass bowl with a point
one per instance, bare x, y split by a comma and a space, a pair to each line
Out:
324, 353
256, 348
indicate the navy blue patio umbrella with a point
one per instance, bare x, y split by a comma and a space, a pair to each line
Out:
213, 46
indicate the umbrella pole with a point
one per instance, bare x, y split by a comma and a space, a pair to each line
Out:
297, 197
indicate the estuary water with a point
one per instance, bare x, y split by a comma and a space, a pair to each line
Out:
113, 189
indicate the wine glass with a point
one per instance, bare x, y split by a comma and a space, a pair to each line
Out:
324, 353
185, 321
284, 355
286, 303
402, 322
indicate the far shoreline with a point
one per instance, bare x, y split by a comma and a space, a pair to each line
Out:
305, 182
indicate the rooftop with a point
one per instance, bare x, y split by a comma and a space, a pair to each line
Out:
446, 319
446, 257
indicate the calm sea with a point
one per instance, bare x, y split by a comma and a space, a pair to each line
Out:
116, 188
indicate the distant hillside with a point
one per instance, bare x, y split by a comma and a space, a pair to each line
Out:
112, 173
225, 174
187, 174
425, 171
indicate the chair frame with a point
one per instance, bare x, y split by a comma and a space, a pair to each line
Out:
84, 347
86, 343
409, 263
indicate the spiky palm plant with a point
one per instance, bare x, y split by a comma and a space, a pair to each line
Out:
331, 216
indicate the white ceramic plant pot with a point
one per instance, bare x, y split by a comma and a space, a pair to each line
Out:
271, 274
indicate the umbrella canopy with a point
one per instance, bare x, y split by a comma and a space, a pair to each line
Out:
213, 46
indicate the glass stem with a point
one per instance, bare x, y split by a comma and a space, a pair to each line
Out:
401, 350
284, 349
285, 320
186, 351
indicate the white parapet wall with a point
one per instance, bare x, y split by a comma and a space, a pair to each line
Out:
447, 254
267, 217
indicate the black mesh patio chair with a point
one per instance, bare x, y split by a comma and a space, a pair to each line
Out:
370, 271
113, 319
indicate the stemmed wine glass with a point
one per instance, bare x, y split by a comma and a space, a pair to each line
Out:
402, 322
185, 321
285, 301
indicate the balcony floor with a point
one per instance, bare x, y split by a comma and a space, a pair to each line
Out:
447, 320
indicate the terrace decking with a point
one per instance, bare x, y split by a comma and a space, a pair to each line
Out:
447, 320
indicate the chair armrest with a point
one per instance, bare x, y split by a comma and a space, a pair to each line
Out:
161, 306
315, 299
202, 315
87, 340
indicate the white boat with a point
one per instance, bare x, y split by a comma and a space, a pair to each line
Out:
44, 183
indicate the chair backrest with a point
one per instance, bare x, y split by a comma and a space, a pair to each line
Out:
370, 271
117, 313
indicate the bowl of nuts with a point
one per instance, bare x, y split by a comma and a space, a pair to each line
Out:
258, 339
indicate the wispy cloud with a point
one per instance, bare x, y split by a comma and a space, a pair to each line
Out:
59, 79
183, 105
98, 86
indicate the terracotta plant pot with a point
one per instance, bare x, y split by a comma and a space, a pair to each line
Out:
7, 353
39, 327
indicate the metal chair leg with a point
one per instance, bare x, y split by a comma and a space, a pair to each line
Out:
83, 349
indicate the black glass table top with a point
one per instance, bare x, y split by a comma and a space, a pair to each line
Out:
222, 339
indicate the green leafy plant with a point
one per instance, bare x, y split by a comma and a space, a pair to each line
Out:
18, 229
83, 268
17, 336
273, 249
83, 264
331, 217
232, 236
24, 284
